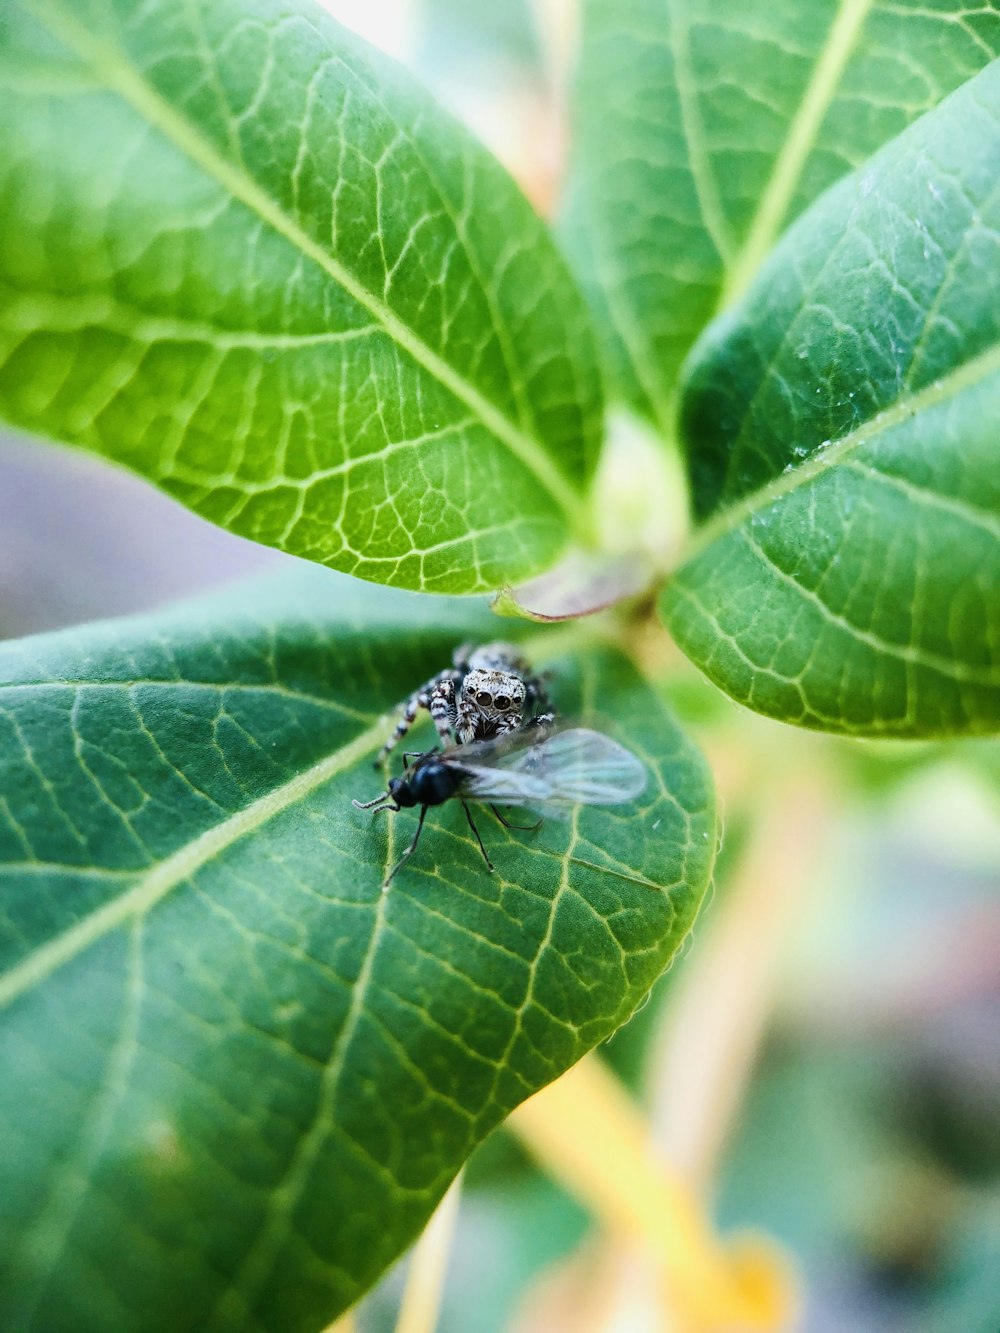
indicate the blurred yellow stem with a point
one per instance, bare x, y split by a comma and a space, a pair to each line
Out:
588, 1133
421, 1304
720, 1006
345, 1324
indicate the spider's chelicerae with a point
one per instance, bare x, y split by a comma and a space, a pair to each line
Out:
488, 691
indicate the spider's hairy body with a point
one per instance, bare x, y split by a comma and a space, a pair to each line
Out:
488, 691
492, 694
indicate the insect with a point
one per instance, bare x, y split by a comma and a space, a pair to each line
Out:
488, 691
557, 772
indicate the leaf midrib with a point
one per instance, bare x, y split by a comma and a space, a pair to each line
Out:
772, 208
273, 688
940, 390
179, 867
147, 102
234, 1306
25, 312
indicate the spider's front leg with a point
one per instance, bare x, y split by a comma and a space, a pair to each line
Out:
511, 723
443, 710
537, 696
542, 715
542, 723
422, 698
467, 719
460, 658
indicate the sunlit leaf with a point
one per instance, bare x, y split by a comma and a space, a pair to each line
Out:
250, 259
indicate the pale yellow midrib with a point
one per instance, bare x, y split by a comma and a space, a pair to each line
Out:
799, 141
706, 190
26, 312
145, 100
941, 390
179, 867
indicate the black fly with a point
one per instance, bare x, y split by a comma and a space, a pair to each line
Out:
575, 767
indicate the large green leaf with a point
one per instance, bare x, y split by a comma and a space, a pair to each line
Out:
703, 127
237, 1075
250, 259
843, 426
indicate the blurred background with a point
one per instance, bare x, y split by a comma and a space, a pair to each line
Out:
823, 1064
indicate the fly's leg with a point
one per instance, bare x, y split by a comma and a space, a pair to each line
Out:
472, 825
409, 851
522, 828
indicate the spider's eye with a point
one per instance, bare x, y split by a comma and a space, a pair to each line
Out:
485, 698
502, 701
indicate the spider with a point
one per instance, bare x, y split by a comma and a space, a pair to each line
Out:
488, 691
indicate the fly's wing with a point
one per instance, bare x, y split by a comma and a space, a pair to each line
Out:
576, 767
587, 768
502, 785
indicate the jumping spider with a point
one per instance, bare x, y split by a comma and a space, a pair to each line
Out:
489, 691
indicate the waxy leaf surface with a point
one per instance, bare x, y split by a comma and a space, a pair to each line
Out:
702, 128
237, 1075
842, 426
250, 259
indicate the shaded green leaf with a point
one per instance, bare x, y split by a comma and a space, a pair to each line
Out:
842, 425
237, 1075
703, 127
250, 259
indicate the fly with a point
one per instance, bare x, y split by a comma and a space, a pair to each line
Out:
575, 767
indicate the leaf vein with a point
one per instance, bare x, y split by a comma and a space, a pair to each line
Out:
131, 85
799, 141
177, 869
884, 647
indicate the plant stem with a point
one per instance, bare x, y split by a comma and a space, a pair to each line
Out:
589, 1134
421, 1303
718, 1012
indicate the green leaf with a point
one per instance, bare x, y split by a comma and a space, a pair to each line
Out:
251, 260
237, 1076
843, 430
703, 127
